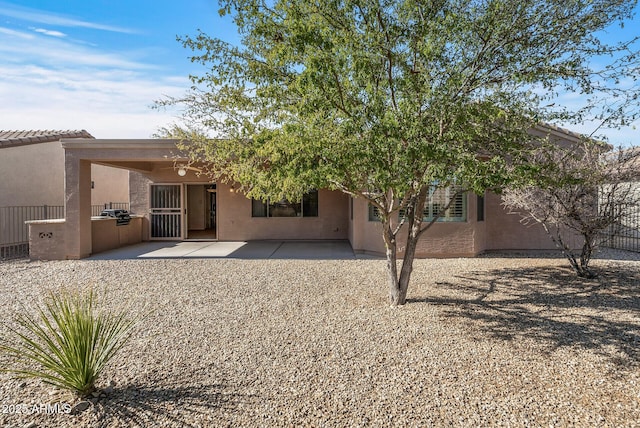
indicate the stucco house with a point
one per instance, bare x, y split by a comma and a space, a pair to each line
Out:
32, 183
170, 200
32, 170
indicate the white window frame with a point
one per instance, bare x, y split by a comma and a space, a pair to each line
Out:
444, 195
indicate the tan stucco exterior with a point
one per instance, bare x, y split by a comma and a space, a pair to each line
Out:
34, 175
236, 223
499, 230
154, 162
109, 185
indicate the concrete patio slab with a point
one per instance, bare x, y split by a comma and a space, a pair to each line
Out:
236, 250
314, 250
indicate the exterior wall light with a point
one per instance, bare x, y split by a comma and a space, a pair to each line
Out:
182, 171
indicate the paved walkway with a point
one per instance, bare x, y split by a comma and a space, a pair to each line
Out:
236, 250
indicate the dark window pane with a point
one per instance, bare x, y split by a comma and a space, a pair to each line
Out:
374, 213
258, 208
480, 208
310, 204
285, 208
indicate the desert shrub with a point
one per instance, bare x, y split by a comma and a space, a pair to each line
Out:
67, 343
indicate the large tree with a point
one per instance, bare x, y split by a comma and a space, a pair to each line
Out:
390, 100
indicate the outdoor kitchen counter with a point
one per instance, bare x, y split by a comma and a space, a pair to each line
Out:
47, 237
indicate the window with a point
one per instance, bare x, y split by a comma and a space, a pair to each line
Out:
374, 213
436, 201
284, 208
308, 207
310, 204
480, 208
439, 198
258, 208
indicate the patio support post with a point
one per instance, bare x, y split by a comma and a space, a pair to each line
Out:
77, 206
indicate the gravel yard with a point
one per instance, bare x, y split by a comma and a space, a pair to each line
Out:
487, 341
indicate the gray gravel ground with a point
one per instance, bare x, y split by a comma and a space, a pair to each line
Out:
489, 341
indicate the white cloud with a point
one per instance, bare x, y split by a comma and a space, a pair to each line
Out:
14, 33
52, 81
112, 104
33, 15
51, 33
29, 48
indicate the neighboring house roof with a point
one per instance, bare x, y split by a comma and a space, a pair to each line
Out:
564, 131
22, 138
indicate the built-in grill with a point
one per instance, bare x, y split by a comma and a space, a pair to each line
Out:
122, 216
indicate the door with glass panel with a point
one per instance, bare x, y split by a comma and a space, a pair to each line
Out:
166, 211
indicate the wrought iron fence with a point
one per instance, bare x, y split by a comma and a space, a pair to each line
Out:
625, 235
14, 233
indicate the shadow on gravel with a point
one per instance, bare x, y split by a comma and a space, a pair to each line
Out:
552, 306
169, 403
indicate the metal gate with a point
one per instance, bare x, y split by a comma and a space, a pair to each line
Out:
625, 234
166, 211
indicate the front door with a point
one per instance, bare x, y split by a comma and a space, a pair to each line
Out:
166, 211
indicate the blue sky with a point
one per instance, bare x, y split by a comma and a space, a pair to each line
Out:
99, 64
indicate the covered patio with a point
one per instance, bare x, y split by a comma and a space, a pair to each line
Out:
172, 200
78, 235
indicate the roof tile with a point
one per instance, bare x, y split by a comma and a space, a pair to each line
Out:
22, 137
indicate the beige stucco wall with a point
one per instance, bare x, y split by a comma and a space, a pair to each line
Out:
109, 185
47, 239
236, 224
506, 232
107, 235
500, 231
34, 175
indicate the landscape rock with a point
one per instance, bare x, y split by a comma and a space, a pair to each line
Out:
500, 340
80, 407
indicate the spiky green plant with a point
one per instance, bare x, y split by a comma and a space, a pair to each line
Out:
68, 343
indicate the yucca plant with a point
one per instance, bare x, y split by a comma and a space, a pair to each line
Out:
68, 343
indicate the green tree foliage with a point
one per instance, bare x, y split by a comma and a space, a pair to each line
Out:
385, 99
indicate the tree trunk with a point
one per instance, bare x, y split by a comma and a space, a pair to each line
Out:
407, 269
391, 251
580, 267
398, 286
414, 212
409, 256
584, 270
